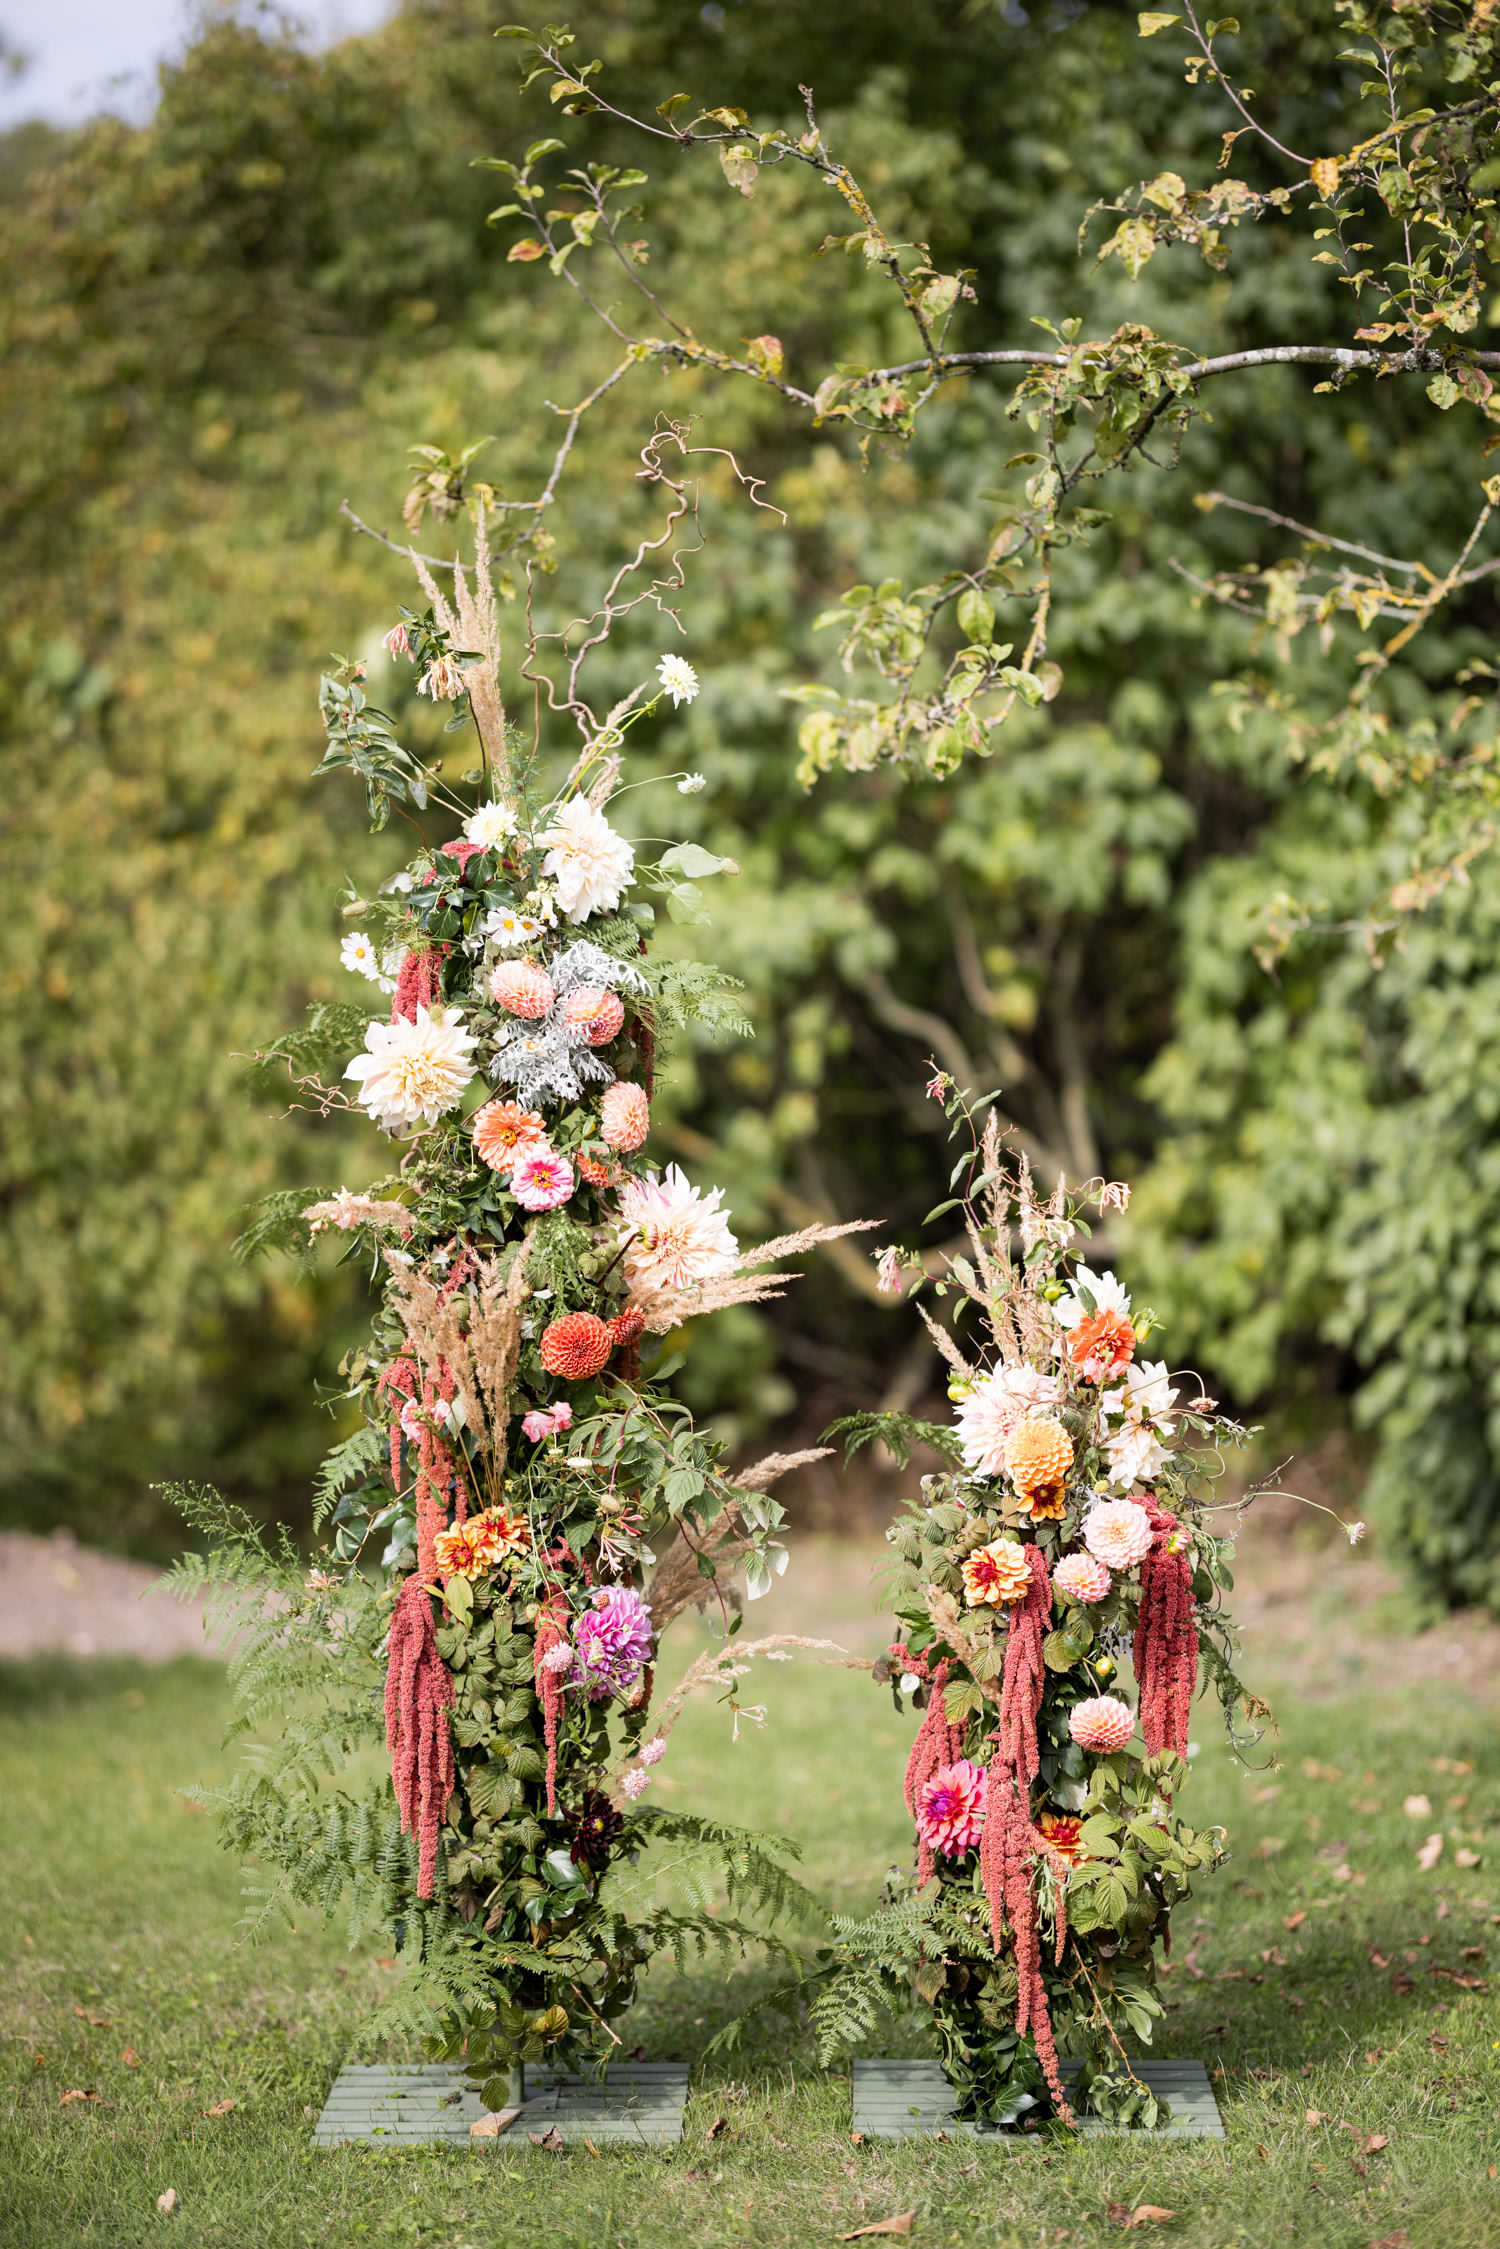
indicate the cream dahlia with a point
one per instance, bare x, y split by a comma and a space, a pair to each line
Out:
589, 862
1081, 1578
1102, 1724
677, 1234
1109, 1295
1117, 1533
414, 1071
491, 825
1136, 1449
995, 1406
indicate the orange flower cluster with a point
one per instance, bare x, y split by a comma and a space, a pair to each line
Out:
473, 1548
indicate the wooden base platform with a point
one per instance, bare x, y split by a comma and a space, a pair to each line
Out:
914, 2101
640, 2105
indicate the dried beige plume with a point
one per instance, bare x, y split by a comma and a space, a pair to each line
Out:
472, 620
678, 1583
665, 1309
472, 1334
345, 1210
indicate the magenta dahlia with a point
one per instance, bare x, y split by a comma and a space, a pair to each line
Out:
950, 1809
612, 1644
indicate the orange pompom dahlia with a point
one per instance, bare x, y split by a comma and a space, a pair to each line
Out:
577, 1346
598, 1013
522, 988
625, 1116
1038, 1458
504, 1131
999, 1575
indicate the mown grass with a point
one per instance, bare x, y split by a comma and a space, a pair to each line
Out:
120, 1907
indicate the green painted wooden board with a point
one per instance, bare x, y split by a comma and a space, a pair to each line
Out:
640, 2104
914, 2101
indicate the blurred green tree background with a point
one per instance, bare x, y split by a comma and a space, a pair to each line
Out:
221, 325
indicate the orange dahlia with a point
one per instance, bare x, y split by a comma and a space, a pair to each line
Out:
503, 1131
1060, 1831
471, 1549
576, 1346
1102, 1345
599, 1171
998, 1575
1038, 1457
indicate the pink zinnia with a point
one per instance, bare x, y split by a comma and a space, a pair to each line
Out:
542, 1179
1102, 1724
950, 1809
1082, 1578
1117, 1533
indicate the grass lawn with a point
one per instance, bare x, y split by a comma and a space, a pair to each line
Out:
1316, 1974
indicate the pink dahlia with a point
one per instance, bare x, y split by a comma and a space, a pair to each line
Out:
1102, 1724
598, 1013
1117, 1533
542, 1179
612, 1644
625, 1116
522, 989
1081, 1578
950, 1809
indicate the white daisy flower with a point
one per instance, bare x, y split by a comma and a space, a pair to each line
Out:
508, 929
678, 678
359, 956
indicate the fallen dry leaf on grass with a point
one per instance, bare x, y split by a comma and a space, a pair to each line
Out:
1316, 2116
1417, 1808
167, 2203
78, 2093
1144, 2214
1467, 1857
220, 2108
1390, 2241
901, 2223
1374, 2144
1374, 2054
130, 2057
1293, 1920
1430, 1853
551, 2140
859, 2139
100, 2022
717, 2129
1377, 1959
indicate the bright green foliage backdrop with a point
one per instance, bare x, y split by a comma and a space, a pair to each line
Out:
218, 328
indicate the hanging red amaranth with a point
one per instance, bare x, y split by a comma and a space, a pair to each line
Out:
1166, 1641
1007, 1849
549, 1686
937, 1743
437, 1471
418, 1697
419, 981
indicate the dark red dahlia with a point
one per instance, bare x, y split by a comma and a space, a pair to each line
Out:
594, 1827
